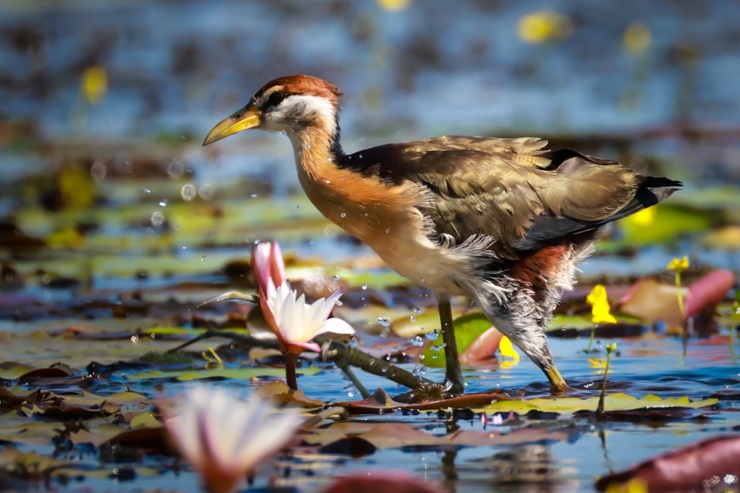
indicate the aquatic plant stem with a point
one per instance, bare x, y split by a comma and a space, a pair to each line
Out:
600, 408
290, 363
591, 340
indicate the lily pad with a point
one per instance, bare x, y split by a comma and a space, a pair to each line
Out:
230, 373
613, 402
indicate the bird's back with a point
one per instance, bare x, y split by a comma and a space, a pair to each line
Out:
516, 191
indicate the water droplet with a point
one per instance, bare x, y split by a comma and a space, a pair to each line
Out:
421, 280
202, 258
417, 341
163, 203
145, 190
417, 310
188, 192
438, 347
184, 247
364, 287
360, 156
98, 171
206, 191
157, 219
432, 335
383, 321
422, 357
343, 215
175, 169
350, 393
384, 369
254, 195
353, 342
412, 319
336, 277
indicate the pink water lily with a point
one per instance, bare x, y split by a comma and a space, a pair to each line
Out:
296, 322
267, 263
225, 438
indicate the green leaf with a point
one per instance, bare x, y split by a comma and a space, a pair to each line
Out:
613, 402
233, 373
467, 329
664, 223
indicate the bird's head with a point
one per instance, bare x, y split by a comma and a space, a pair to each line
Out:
290, 104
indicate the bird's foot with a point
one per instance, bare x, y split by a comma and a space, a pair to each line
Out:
453, 387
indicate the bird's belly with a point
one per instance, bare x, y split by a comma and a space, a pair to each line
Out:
402, 244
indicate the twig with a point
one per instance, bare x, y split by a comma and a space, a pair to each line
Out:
340, 354
343, 355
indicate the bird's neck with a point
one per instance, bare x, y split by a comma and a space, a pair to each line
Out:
317, 150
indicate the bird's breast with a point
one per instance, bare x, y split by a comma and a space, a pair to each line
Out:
388, 219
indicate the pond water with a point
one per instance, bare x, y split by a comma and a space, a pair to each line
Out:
115, 222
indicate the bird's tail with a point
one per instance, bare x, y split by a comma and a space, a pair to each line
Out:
660, 187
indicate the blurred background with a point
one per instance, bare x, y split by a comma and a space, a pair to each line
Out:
105, 105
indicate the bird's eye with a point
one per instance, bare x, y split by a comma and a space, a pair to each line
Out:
274, 99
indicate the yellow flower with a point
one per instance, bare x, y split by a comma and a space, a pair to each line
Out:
600, 310
544, 25
506, 349
94, 84
636, 40
394, 4
636, 485
679, 264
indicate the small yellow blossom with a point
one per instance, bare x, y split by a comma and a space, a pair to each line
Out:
632, 486
94, 84
543, 25
679, 265
600, 310
506, 348
636, 40
394, 4
597, 363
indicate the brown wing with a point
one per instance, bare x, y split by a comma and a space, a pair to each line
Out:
514, 190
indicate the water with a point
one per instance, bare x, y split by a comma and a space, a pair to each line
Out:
170, 217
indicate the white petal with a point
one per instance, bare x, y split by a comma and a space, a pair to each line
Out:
336, 326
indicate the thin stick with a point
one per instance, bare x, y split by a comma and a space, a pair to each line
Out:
336, 351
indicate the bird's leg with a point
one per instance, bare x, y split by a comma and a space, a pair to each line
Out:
453, 375
557, 382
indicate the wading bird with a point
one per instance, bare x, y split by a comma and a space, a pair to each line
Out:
502, 221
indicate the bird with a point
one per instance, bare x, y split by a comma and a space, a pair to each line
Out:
502, 221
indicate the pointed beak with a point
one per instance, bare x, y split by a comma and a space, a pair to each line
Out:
246, 118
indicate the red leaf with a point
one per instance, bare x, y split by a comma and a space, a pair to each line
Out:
683, 468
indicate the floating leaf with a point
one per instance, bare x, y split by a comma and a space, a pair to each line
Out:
231, 373
663, 223
612, 402
685, 469
467, 329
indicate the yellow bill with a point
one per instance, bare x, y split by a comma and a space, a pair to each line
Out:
244, 119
